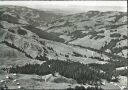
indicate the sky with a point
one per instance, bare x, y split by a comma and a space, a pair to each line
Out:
71, 6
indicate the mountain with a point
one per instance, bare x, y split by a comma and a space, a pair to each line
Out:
94, 41
24, 15
37, 43
104, 31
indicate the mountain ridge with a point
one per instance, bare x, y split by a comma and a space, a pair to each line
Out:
66, 20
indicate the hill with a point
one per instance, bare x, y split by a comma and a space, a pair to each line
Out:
93, 41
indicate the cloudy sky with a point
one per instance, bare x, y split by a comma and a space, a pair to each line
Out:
71, 6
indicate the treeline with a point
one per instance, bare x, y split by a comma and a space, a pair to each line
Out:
85, 74
79, 72
112, 65
110, 69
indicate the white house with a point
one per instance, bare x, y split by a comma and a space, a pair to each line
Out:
47, 77
56, 74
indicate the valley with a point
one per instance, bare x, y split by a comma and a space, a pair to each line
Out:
85, 50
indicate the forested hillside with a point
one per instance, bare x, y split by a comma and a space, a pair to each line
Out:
88, 47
